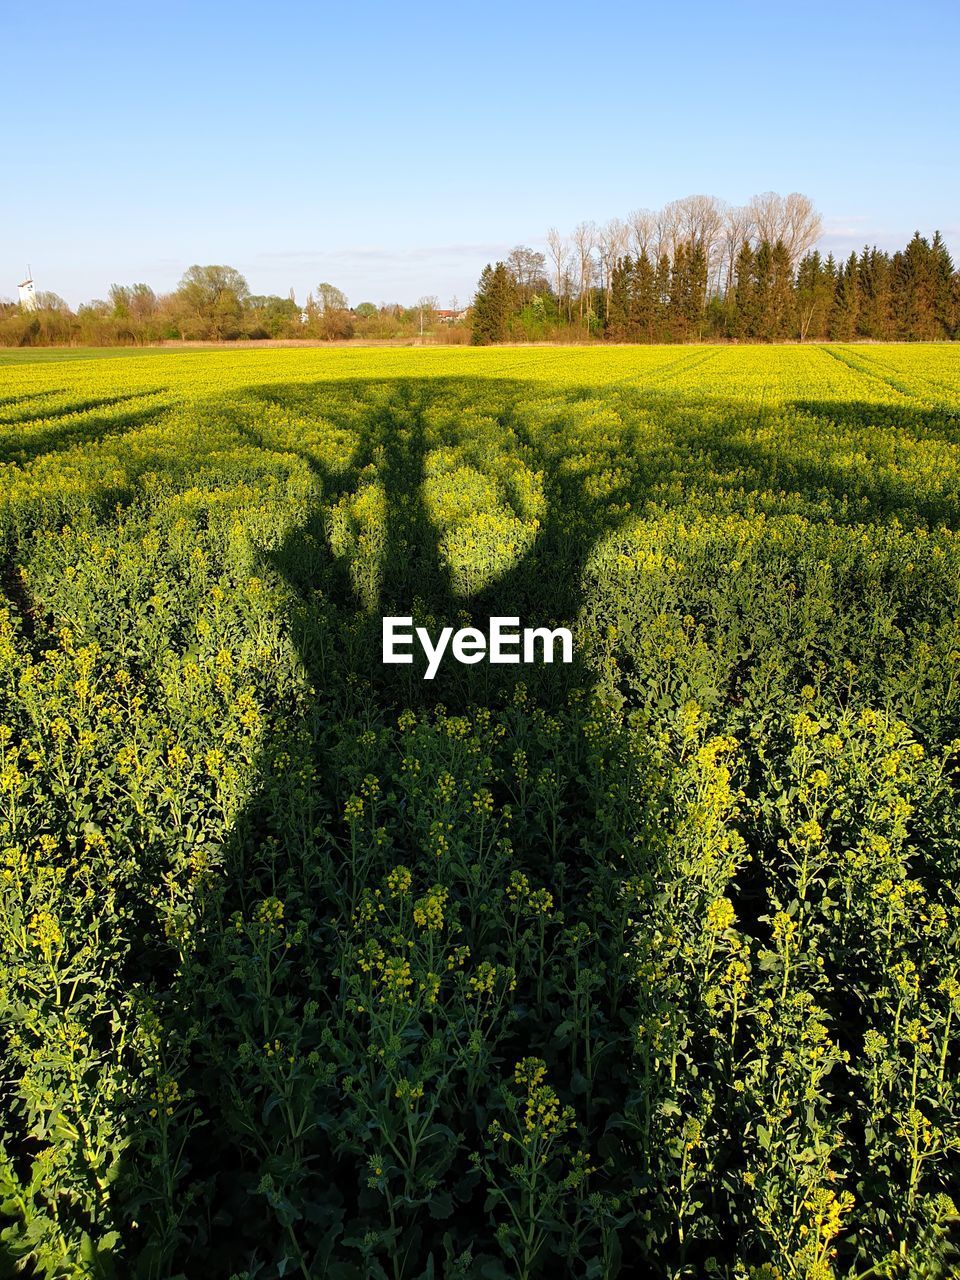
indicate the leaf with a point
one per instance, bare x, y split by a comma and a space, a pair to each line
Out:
493, 1269
579, 1083
441, 1205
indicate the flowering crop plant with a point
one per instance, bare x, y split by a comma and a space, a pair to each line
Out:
643, 965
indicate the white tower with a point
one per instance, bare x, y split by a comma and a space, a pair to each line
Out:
28, 295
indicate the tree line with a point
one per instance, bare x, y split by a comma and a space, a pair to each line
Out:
696, 270
700, 270
214, 304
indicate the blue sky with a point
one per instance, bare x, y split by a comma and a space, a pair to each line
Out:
394, 149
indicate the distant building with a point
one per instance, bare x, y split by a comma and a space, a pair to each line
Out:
28, 296
446, 316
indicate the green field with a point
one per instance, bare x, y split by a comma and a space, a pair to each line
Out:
647, 965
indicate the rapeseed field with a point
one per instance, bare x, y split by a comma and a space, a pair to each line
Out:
645, 965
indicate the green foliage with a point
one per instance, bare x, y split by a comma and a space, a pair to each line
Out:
210, 302
493, 305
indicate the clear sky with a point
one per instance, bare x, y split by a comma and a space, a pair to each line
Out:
393, 149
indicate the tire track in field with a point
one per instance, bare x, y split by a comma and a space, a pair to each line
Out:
70, 431
852, 363
872, 368
941, 388
671, 370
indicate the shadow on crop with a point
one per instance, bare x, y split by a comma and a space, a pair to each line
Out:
286, 840
28, 397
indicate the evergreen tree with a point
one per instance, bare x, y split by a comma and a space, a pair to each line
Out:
763, 269
876, 295
493, 305
846, 302
481, 308
943, 275
780, 315
618, 325
745, 293
913, 294
647, 307
688, 285
663, 294
831, 271
816, 281
696, 290
915, 284
676, 299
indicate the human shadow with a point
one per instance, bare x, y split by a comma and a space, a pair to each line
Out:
287, 840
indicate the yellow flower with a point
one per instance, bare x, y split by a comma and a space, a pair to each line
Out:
353, 809
397, 980
428, 910
720, 915
45, 932
518, 886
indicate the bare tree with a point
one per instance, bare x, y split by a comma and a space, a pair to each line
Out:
642, 223
792, 219
559, 250
584, 243
804, 226
738, 228
330, 298
613, 240
527, 267
767, 211
427, 308
47, 300
666, 230
699, 220
569, 288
